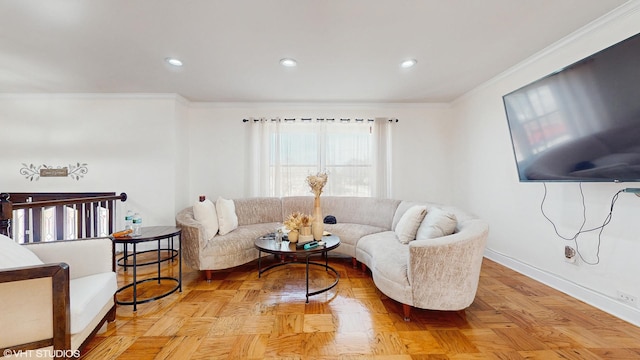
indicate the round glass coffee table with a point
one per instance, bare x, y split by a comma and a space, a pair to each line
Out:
285, 249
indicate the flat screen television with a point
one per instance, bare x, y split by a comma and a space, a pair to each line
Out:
581, 123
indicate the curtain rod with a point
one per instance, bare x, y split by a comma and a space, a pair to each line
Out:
311, 119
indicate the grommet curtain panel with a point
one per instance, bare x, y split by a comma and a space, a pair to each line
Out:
356, 154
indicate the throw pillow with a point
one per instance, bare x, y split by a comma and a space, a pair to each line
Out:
227, 218
437, 223
205, 213
409, 223
14, 255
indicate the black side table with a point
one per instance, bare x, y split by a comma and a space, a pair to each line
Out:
152, 233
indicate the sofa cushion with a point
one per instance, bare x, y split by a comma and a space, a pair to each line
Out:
205, 213
409, 223
386, 255
350, 233
14, 255
88, 295
236, 247
436, 223
393, 264
227, 218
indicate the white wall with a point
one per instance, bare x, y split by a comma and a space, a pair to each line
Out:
131, 143
164, 151
181, 153
487, 184
219, 145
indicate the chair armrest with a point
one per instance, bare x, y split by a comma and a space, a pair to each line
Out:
35, 307
84, 256
444, 272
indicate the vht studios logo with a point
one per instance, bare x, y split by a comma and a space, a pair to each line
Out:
42, 353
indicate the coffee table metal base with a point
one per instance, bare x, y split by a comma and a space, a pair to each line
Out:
267, 244
307, 263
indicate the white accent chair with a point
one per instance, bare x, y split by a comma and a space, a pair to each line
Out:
54, 295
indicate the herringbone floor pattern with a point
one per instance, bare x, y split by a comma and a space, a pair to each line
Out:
238, 316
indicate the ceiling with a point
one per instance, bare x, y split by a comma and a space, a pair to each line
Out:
347, 50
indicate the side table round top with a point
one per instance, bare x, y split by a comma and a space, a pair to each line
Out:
149, 233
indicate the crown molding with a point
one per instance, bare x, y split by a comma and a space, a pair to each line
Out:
320, 105
213, 104
57, 96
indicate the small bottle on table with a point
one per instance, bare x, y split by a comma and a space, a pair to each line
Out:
128, 220
137, 225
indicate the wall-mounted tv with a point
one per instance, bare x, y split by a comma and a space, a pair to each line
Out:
581, 123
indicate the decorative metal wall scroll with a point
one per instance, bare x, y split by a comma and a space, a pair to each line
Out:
33, 172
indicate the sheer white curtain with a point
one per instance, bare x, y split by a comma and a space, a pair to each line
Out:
260, 134
356, 154
382, 131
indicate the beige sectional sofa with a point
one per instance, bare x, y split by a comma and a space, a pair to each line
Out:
439, 273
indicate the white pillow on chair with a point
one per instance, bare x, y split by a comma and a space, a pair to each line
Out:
227, 218
14, 255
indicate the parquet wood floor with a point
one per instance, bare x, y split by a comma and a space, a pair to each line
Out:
238, 316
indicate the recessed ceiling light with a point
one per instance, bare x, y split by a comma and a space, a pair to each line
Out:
173, 61
288, 62
408, 63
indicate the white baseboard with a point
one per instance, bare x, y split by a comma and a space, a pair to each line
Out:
593, 298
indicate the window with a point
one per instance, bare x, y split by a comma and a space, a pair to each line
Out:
285, 152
